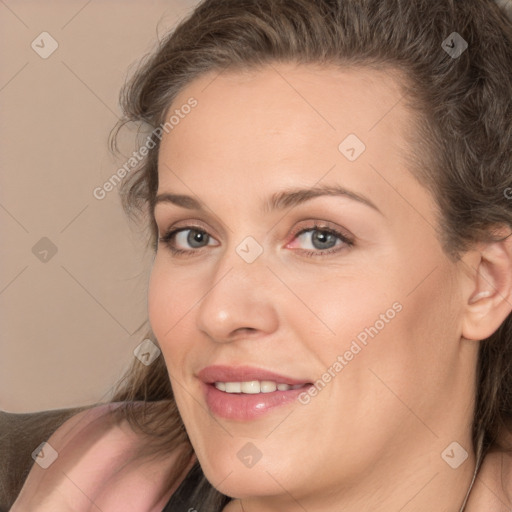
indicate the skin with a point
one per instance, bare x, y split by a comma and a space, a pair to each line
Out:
372, 439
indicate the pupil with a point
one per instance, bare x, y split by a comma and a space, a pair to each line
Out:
196, 238
322, 240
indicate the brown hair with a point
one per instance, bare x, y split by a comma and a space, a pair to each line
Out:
461, 149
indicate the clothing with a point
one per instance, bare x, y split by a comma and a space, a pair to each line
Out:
181, 499
196, 494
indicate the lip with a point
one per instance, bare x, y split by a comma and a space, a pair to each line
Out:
221, 373
241, 406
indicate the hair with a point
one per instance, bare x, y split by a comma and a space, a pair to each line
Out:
460, 149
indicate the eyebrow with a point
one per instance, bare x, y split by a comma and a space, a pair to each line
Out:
278, 201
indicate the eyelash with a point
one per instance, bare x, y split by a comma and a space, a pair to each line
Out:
168, 236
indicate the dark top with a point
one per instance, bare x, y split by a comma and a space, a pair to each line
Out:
196, 494
181, 499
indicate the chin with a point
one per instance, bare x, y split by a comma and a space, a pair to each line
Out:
231, 478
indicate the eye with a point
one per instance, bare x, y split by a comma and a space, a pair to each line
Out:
186, 240
314, 240
318, 240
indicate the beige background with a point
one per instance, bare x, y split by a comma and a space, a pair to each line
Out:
67, 323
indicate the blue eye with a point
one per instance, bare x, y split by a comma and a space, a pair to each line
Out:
315, 240
188, 237
319, 240
193, 237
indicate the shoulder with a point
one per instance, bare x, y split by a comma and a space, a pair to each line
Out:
81, 430
91, 466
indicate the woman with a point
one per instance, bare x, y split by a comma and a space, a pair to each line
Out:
328, 186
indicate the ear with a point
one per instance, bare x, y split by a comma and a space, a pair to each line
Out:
489, 300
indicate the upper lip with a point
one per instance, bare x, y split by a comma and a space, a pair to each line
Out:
220, 373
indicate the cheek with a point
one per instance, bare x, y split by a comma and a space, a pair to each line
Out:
170, 302
414, 352
159, 300
350, 306
402, 323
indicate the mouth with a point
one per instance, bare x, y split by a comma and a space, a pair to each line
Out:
243, 406
246, 393
253, 387
246, 375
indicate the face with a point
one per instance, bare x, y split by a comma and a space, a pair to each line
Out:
341, 290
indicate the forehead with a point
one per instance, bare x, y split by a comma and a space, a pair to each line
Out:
324, 97
285, 117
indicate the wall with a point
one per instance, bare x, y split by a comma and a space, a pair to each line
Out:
73, 271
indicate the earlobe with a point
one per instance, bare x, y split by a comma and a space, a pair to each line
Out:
490, 300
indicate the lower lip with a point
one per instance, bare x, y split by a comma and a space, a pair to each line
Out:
246, 407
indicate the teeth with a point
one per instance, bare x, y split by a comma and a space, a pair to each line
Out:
221, 386
233, 387
267, 386
253, 387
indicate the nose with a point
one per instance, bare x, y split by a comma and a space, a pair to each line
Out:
238, 302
